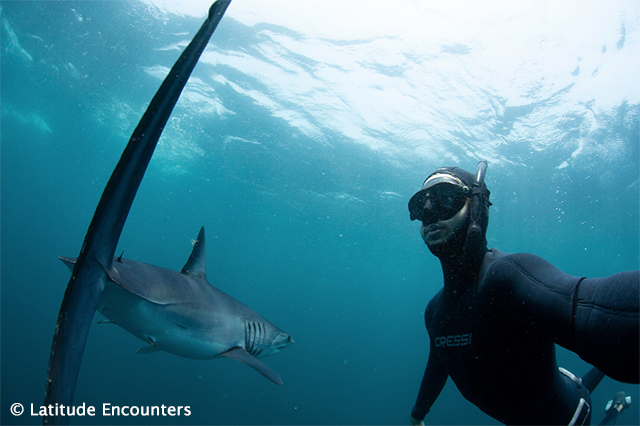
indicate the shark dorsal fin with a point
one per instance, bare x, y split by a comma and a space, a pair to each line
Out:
195, 266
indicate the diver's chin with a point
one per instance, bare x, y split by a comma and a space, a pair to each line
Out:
442, 241
436, 239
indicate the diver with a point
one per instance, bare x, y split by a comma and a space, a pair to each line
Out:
494, 324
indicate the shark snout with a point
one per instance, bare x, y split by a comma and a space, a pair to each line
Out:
283, 340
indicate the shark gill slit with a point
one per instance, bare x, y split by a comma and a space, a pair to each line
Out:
256, 344
254, 337
263, 337
247, 336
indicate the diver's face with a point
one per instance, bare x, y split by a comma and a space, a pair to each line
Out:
437, 233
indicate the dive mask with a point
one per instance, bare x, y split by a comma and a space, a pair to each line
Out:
446, 195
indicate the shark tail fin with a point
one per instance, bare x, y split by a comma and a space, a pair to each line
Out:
89, 276
241, 355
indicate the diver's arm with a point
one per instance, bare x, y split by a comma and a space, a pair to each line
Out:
596, 318
607, 324
434, 379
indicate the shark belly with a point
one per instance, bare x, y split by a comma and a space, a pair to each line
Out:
176, 328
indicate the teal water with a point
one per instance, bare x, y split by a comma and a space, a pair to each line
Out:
297, 144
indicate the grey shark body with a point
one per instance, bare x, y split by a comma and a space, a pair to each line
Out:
181, 313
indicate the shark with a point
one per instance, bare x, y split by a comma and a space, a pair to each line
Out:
179, 312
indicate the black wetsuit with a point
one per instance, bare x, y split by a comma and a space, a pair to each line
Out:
496, 339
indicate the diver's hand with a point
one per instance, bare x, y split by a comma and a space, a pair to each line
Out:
415, 422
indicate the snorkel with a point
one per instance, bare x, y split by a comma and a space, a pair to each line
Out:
479, 196
476, 244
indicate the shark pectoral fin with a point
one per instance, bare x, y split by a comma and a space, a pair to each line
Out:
147, 350
241, 355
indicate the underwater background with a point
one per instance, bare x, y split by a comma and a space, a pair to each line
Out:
297, 142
